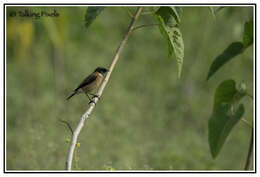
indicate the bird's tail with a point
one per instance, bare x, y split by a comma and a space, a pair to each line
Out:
74, 93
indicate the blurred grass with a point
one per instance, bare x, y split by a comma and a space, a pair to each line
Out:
146, 119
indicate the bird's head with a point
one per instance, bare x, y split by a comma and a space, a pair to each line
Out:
101, 70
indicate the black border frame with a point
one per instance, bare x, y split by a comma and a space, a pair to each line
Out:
131, 4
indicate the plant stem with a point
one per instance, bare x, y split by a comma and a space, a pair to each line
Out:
100, 90
250, 152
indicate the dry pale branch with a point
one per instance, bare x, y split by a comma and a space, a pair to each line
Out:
100, 91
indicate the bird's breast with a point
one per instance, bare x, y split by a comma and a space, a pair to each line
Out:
93, 85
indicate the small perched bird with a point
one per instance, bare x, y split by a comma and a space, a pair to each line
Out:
90, 83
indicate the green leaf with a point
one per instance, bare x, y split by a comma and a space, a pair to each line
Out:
91, 14
177, 13
248, 34
220, 125
225, 92
230, 52
169, 19
225, 114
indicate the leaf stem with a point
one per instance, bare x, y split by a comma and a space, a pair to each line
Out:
142, 26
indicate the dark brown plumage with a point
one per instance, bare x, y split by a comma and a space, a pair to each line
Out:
90, 83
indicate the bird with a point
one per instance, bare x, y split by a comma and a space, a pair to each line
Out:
90, 83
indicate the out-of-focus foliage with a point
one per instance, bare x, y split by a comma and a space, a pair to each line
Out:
146, 119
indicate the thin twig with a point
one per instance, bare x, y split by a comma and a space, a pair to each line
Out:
250, 152
142, 26
68, 125
100, 91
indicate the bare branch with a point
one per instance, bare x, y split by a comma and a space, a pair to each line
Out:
100, 91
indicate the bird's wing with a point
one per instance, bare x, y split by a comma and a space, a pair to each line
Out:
87, 81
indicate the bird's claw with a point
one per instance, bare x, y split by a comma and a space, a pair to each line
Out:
95, 96
92, 101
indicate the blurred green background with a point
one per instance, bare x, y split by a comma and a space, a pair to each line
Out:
147, 118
